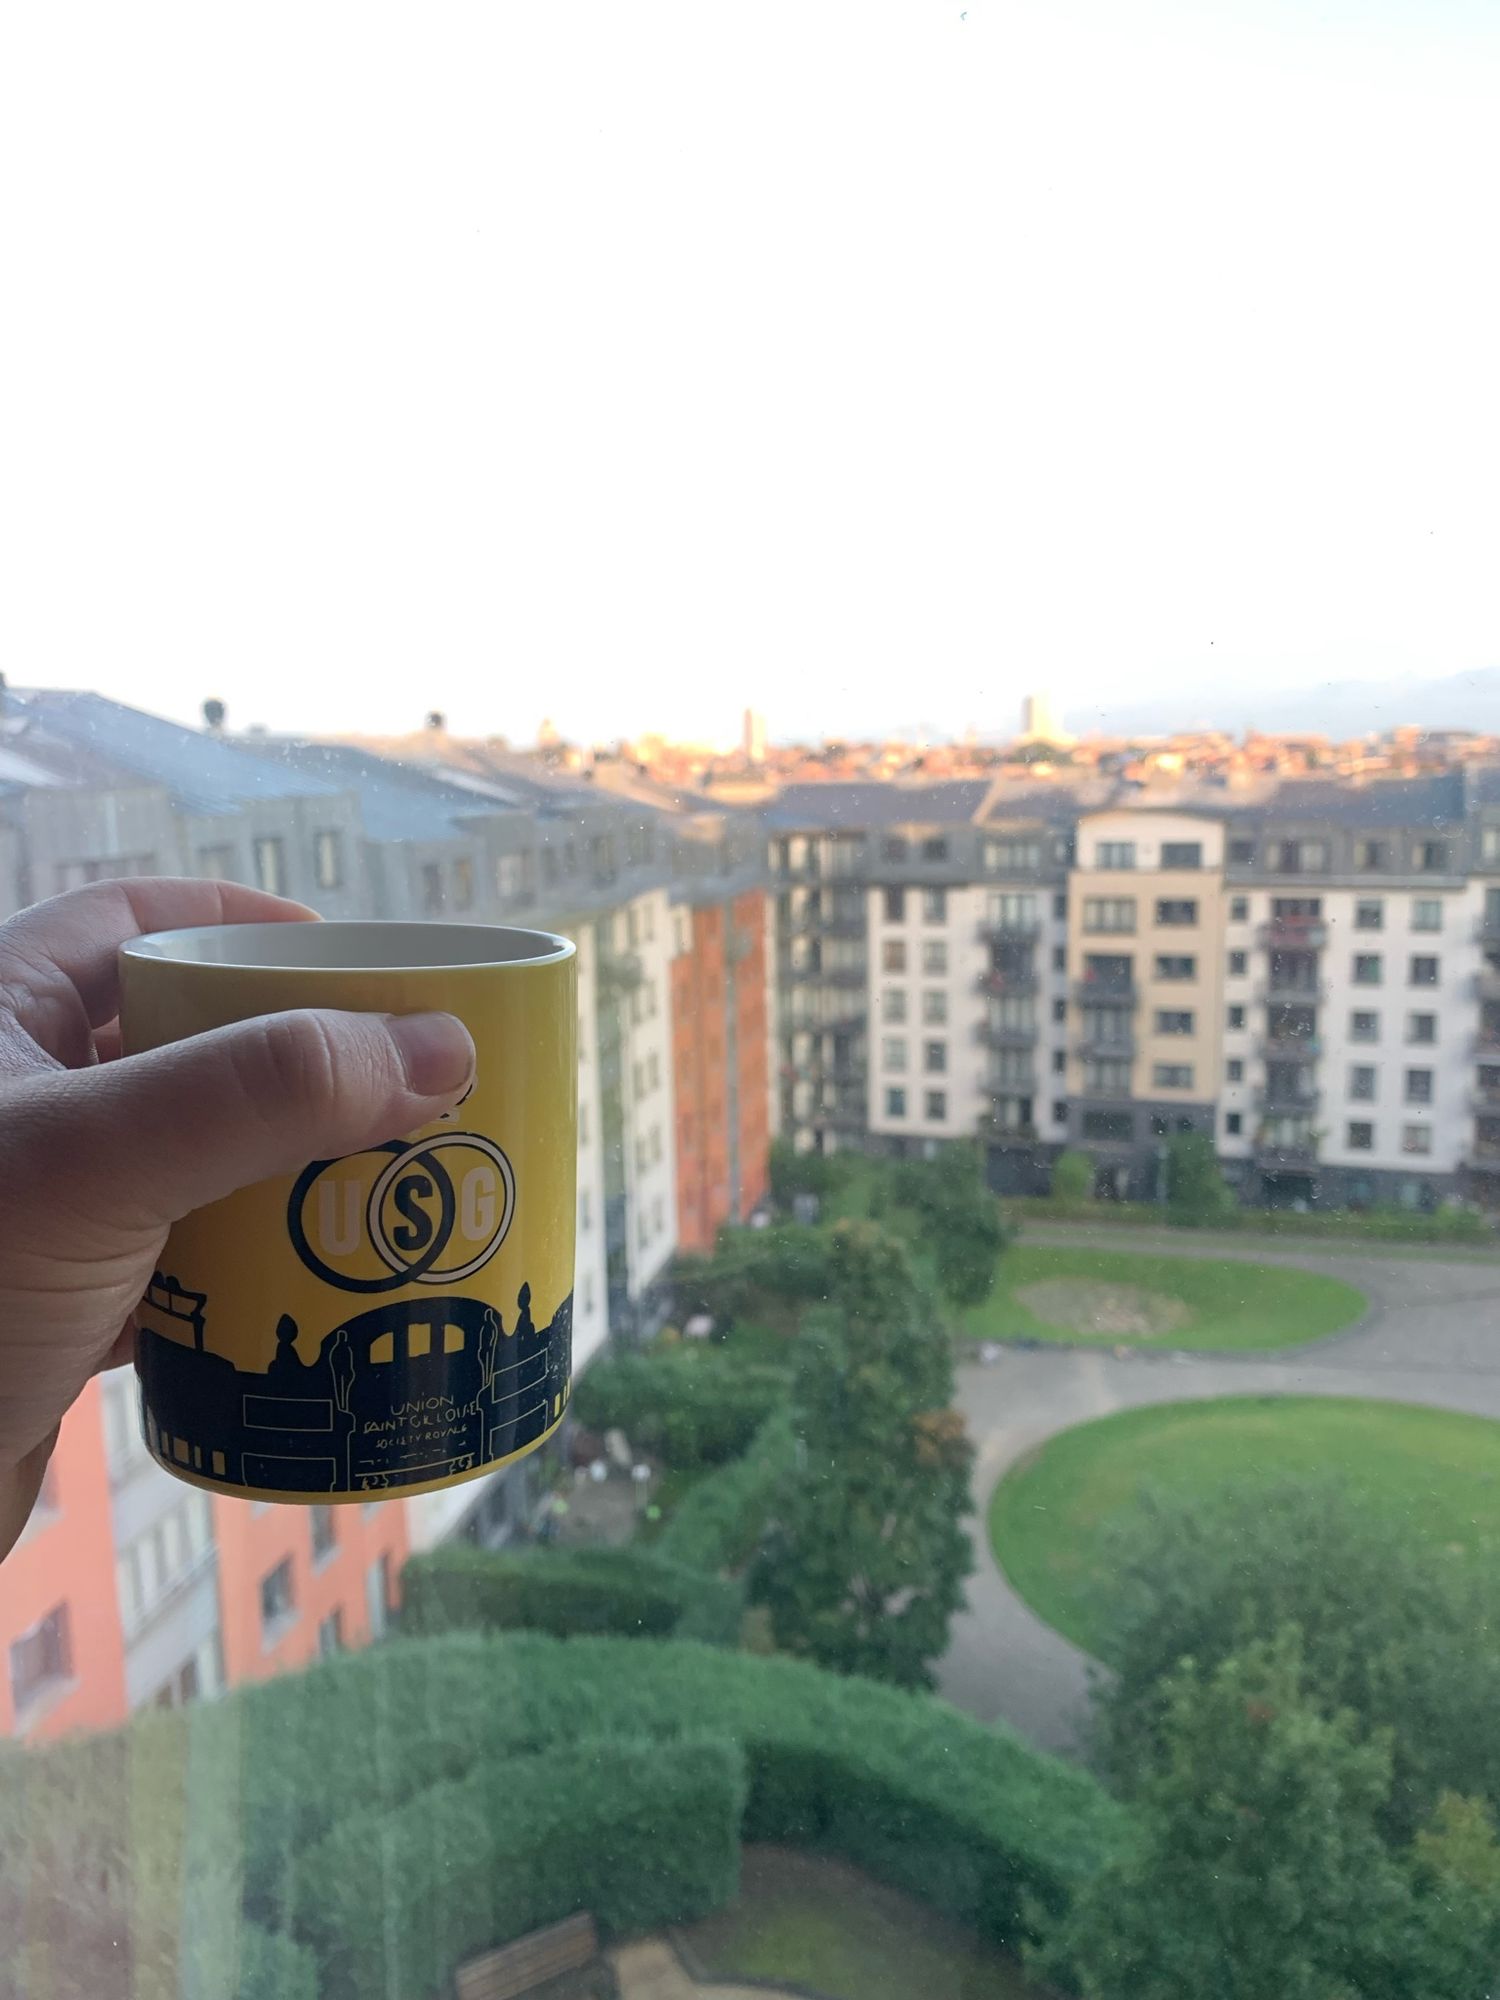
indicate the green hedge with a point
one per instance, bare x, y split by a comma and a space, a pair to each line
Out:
718, 1524
689, 1406
1379, 1225
640, 1834
630, 1593
197, 1814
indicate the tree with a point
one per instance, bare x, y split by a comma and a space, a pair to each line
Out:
1072, 1177
1259, 1872
1197, 1194
864, 1565
1401, 1642
1453, 1943
961, 1219
793, 1173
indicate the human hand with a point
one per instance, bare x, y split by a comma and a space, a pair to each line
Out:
101, 1153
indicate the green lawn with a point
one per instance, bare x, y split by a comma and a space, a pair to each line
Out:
1228, 1303
820, 1925
1428, 1470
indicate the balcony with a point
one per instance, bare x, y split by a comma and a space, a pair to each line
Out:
1005, 1035
1487, 983
1021, 1084
842, 976
1485, 1099
1290, 1048
995, 1133
847, 1116
1010, 930
818, 923
1277, 1101
1293, 934
1484, 1155
1105, 1048
1283, 991
1105, 993
1487, 927
1002, 984
1293, 1156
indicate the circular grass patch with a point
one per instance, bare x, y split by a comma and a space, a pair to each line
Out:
1054, 1292
1433, 1473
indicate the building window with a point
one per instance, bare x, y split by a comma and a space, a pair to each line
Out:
585, 1211
1489, 843
1059, 1062
331, 1634
1422, 972
1011, 857
935, 1008
1419, 1086
216, 864
893, 1052
1177, 968
1059, 1012
1421, 1028
1427, 913
463, 883
1172, 1076
934, 906
1059, 958
1369, 856
432, 889
1235, 1017
1241, 855
1113, 1125
324, 1535
1059, 1111
1233, 1124
1234, 1070
935, 848
1362, 1083
1239, 964
1115, 854
1432, 857
328, 858
935, 957
1107, 1077
1360, 1137
42, 1658
937, 1104
270, 864
1416, 1138
1174, 910
895, 1103
1364, 1027
1239, 909
1369, 914
893, 955
277, 1608
1367, 968
895, 906
893, 847
1298, 857
1109, 913
1182, 854
935, 1058
893, 1006
1173, 1021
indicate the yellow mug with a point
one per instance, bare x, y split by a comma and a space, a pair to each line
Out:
401, 1319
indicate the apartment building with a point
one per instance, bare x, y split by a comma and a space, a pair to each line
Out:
130, 1588
1307, 972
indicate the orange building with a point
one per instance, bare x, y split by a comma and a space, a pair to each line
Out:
719, 1057
60, 1631
302, 1583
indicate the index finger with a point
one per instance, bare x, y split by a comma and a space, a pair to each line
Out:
66, 949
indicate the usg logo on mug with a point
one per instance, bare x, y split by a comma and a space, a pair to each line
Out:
424, 1211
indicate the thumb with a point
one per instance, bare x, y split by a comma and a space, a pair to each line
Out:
141, 1141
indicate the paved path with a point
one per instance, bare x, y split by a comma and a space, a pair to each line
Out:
651, 1970
1432, 1335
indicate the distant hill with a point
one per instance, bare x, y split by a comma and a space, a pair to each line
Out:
1327, 708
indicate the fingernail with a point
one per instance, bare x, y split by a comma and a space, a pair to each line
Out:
435, 1051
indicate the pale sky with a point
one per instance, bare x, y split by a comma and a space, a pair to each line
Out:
629, 362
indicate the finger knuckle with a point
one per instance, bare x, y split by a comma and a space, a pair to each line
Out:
300, 1061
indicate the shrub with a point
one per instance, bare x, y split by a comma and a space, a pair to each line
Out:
631, 1593
1198, 1196
719, 1524
1072, 1177
686, 1405
639, 1834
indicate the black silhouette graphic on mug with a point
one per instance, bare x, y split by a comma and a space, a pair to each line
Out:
404, 1393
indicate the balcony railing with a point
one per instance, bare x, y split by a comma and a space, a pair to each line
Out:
1485, 1098
825, 975
1106, 993
1007, 983
823, 923
1487, 983
1005, 929
1293, 934
1292, 1156
1277, 1101
1290, 1048
996, 1133
1487, 927
1006, 1034
1100, 1048
1299, 992
1485, 1153
1021, 1084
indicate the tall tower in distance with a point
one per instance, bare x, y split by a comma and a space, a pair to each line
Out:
753, 741
1038, 723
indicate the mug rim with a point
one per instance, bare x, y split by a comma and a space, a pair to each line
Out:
178, 947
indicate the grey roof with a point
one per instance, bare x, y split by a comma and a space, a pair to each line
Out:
1415, 802
397, 801
857, 804
203, 773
